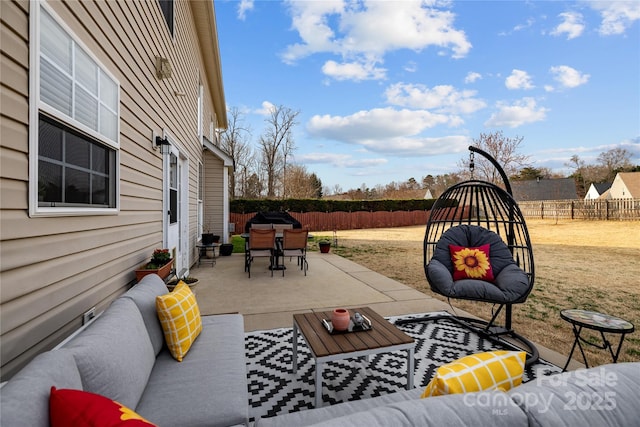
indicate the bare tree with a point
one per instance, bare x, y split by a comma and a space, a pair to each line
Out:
502, 148
235, 141
276, 143
301, 184
614, 161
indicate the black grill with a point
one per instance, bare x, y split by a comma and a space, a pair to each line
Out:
272, 218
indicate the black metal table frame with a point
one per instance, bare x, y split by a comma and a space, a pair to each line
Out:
606, 345
202, 251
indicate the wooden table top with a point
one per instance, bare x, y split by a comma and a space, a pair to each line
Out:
322, 343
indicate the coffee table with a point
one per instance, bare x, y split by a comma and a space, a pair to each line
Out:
325, 347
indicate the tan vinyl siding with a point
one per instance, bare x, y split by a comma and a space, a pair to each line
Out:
213, 209
53, 269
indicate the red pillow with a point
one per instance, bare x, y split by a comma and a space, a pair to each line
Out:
80, 408
471, 263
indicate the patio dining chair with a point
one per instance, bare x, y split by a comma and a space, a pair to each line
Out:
261, 243
294, 244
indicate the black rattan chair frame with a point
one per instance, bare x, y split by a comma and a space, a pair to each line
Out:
484, 204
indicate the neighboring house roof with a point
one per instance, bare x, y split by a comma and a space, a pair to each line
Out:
597, 189
428, 195
626, 185
544, 189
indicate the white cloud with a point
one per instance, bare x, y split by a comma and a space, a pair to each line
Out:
341, 160
353, 71
617, 16
363, 32
442, 98
472, 77
518, 80
568, 77
390, 131
517, 114
243, 7
572, 25
265, 109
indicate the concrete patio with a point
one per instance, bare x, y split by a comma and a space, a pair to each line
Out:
332, 281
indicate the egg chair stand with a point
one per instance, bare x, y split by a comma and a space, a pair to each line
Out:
474, 213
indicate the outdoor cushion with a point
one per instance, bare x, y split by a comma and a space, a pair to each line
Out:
79, 408
24, 401
510, 283
180, 319
471, 262
213, 379
606, 395
114, 355
483, 371
491, 408
144, 295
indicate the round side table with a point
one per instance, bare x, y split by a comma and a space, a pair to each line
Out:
598, 322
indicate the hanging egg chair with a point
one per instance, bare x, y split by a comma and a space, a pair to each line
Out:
477, 247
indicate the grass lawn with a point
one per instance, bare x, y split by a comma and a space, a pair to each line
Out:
593, 265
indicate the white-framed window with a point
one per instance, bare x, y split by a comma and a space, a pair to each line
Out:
167, 8
200, 112
200, 200
74, 123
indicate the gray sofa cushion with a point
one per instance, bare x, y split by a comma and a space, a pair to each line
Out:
211, 380
493, 408
309, 417
24, 400
144, 295
511, 284
602, 396
114, 355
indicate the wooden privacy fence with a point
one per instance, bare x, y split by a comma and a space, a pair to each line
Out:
329, 221
616, 209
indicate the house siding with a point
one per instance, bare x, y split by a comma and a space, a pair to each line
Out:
213, 206
53, 269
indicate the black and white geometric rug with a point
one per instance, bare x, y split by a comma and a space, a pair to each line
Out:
274, 389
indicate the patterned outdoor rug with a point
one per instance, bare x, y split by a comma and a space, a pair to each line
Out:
274, 389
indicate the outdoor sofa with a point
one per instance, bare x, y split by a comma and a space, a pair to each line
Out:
122, 355
601, 396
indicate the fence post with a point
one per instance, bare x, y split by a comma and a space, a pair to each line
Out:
572, 209
541, 210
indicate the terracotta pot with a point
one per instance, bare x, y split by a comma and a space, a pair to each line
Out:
163, 271
324, 247
340, 319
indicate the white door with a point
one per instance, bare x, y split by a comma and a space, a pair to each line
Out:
176, 203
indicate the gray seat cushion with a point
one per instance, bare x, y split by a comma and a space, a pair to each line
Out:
24, 400
114, 355
211, 380
511, 284
144, 295
309, 417
606, 395
493, 408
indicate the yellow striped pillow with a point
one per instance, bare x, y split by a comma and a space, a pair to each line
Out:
483, 371
180, 319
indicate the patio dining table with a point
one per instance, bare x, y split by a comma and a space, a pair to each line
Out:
279, 236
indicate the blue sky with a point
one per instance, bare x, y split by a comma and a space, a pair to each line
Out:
389, 90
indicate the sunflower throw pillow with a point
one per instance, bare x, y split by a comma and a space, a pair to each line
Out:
83, 409
471, 263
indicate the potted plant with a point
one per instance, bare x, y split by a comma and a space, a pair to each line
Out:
226, 249
160, 264
324, 246
189, 280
